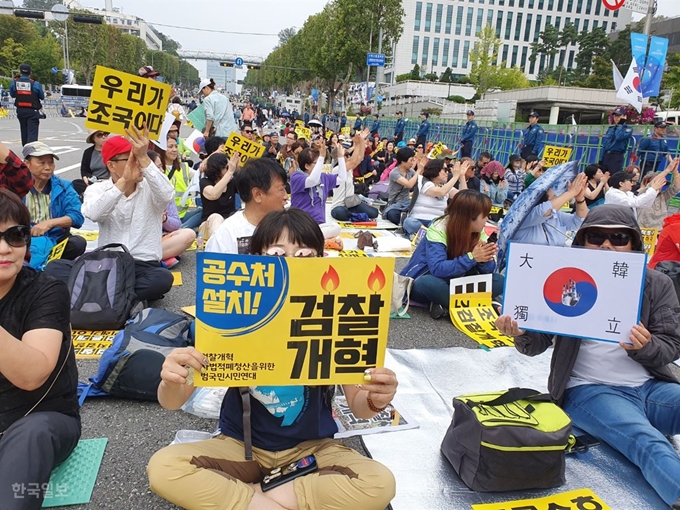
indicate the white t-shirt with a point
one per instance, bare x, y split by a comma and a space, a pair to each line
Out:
427, 207
606, 363
232, 236
344, 190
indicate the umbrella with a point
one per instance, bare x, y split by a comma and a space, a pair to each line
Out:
314, 122
285, 114
556, 178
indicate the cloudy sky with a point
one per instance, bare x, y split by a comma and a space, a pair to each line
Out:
251, 16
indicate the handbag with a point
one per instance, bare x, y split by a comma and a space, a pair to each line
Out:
508, 440
401, 293
352, 201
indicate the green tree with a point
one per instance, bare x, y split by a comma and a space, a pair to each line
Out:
671, 79
11, 56
447, 76
415, 72
548, 45
169, 44
591, 44
19, 30
568, 35
40, 4
483, 57
601, 77
43, 54
286, 34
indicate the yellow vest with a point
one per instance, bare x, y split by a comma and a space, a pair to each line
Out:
181, 179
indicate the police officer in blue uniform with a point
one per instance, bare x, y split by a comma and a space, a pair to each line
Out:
375, 127
532, 138
343, 120
358, 123
423, 129
399, 128
615, 142
652, 150
27, 94
467, 138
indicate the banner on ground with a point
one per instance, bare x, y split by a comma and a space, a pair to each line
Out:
91, 344
574, 291
245, 147
291, 321
120, 100
553, 155
471, 311
580, 499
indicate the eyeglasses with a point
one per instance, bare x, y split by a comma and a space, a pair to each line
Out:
122, 159
419, 147
17, 236
247, 130
280, 252
615, 238
101, 135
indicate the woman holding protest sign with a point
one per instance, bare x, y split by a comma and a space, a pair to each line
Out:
454, 246
214, 474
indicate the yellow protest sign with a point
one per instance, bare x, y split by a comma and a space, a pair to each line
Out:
57, 251
553, 155
353, 254
436, 151
303, 132
478, 323
573, 500
291, 321
300, 123
345, 131
247, 148
378, 148
649, 238
120, 100
88, 235
329, 134
91, 344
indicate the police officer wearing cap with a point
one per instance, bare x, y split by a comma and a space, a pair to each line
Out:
467, 138
532, 138
399, 128
27, 94
652, 150
615, 142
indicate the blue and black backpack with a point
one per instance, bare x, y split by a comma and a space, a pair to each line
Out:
131, 367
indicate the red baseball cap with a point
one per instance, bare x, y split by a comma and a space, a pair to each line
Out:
113, 146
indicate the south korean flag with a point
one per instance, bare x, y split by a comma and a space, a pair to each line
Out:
629, 91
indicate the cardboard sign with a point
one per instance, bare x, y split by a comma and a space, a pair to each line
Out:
345, 131
436, 151
57, 251
121, 100
303, 132
290, 321
329, 134
470, 291
479, 323
300, 123
554, 156
247, 148
574, 291
580, 499
91, 344
650, 236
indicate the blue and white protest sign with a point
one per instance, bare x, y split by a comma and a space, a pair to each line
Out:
594, 294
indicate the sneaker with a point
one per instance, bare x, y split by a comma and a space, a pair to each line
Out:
437, 311
170, 263
377, 202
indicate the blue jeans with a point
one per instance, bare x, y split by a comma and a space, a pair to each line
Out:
412, 225
634, 421
342, 213
430, 289
192, 218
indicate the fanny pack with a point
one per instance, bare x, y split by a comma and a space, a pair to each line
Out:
509, 440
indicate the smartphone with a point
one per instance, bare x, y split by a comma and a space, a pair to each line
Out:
584, 442
280, 475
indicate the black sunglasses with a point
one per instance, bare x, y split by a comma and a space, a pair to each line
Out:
17, 236
247, 130
615, 238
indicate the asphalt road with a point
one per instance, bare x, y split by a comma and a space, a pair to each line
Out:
137, 429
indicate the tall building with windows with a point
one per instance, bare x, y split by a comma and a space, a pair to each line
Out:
441, 33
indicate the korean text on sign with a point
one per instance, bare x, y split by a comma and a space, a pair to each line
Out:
303, 132
288, 321
553, 155
247, 148
574, 291
121, 100
436, 151
580, 499
650, 236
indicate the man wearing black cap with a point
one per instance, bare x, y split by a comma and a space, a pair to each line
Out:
652, 150
467, 138
532, 138
615, 142
399, 128
27, 94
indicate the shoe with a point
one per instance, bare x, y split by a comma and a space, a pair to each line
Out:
378, 202
170, 263
437, 311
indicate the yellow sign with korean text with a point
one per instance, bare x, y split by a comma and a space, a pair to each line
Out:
345, 131
329, 134
120, 100
303, 132
553, 155
649, 238
300, 123
57, 251
573, 500
436, 151
247, 148
91, 344
291, 321
479, 323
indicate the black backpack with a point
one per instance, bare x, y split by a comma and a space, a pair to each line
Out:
102, 288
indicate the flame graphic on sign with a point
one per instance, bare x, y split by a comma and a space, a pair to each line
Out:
376, 280
330, 280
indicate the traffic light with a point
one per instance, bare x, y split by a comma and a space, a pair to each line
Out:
88, 18
19, 13
226, 64
254, 66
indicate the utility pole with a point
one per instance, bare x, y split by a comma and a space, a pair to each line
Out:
380, 70
651, 9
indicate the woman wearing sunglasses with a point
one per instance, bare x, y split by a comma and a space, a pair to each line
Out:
39, 418
624, 394
213, 473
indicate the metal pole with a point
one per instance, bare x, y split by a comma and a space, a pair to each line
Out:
68, 60
651, 9
368, 68
379, 71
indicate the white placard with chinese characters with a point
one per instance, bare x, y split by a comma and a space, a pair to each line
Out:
594, 294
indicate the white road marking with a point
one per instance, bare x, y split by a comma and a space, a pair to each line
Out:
66, 169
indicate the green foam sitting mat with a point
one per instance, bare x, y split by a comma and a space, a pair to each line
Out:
73, 481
